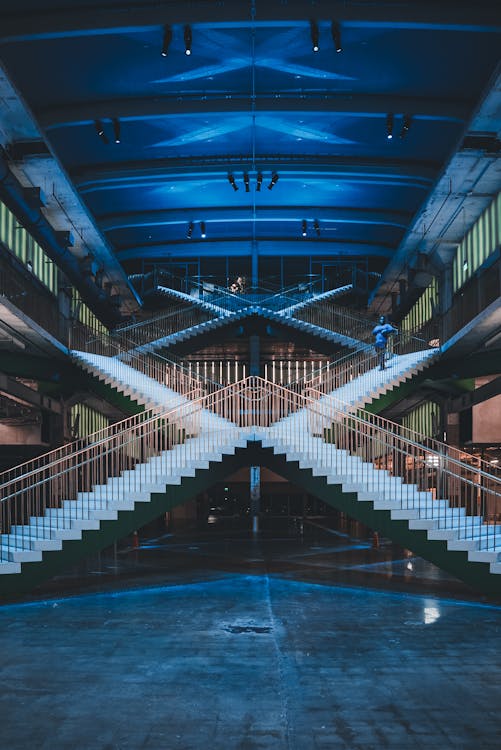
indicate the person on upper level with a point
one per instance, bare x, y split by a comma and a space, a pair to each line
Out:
382, 332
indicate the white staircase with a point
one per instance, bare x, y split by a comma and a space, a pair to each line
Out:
440, 521
129, 381
311, 329
188, 333
201, 303
298, 434
26, 543
371, 385
330, 294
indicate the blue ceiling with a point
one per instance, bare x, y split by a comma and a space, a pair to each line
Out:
253, 97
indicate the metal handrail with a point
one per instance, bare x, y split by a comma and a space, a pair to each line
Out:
159, 326
338, 373
168, 372
359, 450
333, 317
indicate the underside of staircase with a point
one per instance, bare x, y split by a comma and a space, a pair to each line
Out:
63, 537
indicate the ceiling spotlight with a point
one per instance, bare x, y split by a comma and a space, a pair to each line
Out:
305, 227
314, 36
166, 41
406, 123
246, 182
116, 129
316, 227
336, 36
190, 231
203, 233
259, 181
274, 180
389, 125
100, 131
232, 182
187, 39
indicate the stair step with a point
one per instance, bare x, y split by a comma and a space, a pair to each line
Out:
19, 554
485, 556
51, 531
66, 519
27, 540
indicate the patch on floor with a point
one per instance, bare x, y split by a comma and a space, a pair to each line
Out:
237, 629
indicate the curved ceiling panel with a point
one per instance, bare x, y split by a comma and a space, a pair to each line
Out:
254, 132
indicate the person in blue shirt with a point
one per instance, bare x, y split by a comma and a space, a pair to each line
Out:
381, 332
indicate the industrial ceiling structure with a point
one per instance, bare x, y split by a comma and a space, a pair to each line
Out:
268, 138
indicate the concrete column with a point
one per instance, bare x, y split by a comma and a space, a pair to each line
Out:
254, 356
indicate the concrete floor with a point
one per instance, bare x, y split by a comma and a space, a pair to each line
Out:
212, 641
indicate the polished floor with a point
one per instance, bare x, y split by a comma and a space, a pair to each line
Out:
214, 639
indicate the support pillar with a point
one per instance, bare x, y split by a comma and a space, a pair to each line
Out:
254, 355
255, 496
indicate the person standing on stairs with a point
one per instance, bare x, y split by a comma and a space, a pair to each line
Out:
382, 332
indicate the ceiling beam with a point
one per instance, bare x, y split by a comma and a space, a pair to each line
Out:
53, 22
140, 108
242, 247
93, 177
224, 214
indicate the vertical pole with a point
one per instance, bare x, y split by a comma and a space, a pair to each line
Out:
255, 496
255, 264
254, 355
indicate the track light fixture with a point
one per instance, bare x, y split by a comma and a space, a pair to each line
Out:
259, 181
246, 182
166, 40
336, 36
100, 131
316, 227
187, 39
305, 228
203, 233
232, 182
406, 123
116, 129
315, 44
389, 125
273, 181
190, 231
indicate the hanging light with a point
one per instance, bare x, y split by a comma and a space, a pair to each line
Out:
190, 231
232, 182
389, 125
304, 227
116, 129
315, 43
316, 227
100, 131
259, 181
203, 233
406, 123
274, 179
166, 40
336, 36
187, 39
246, 182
